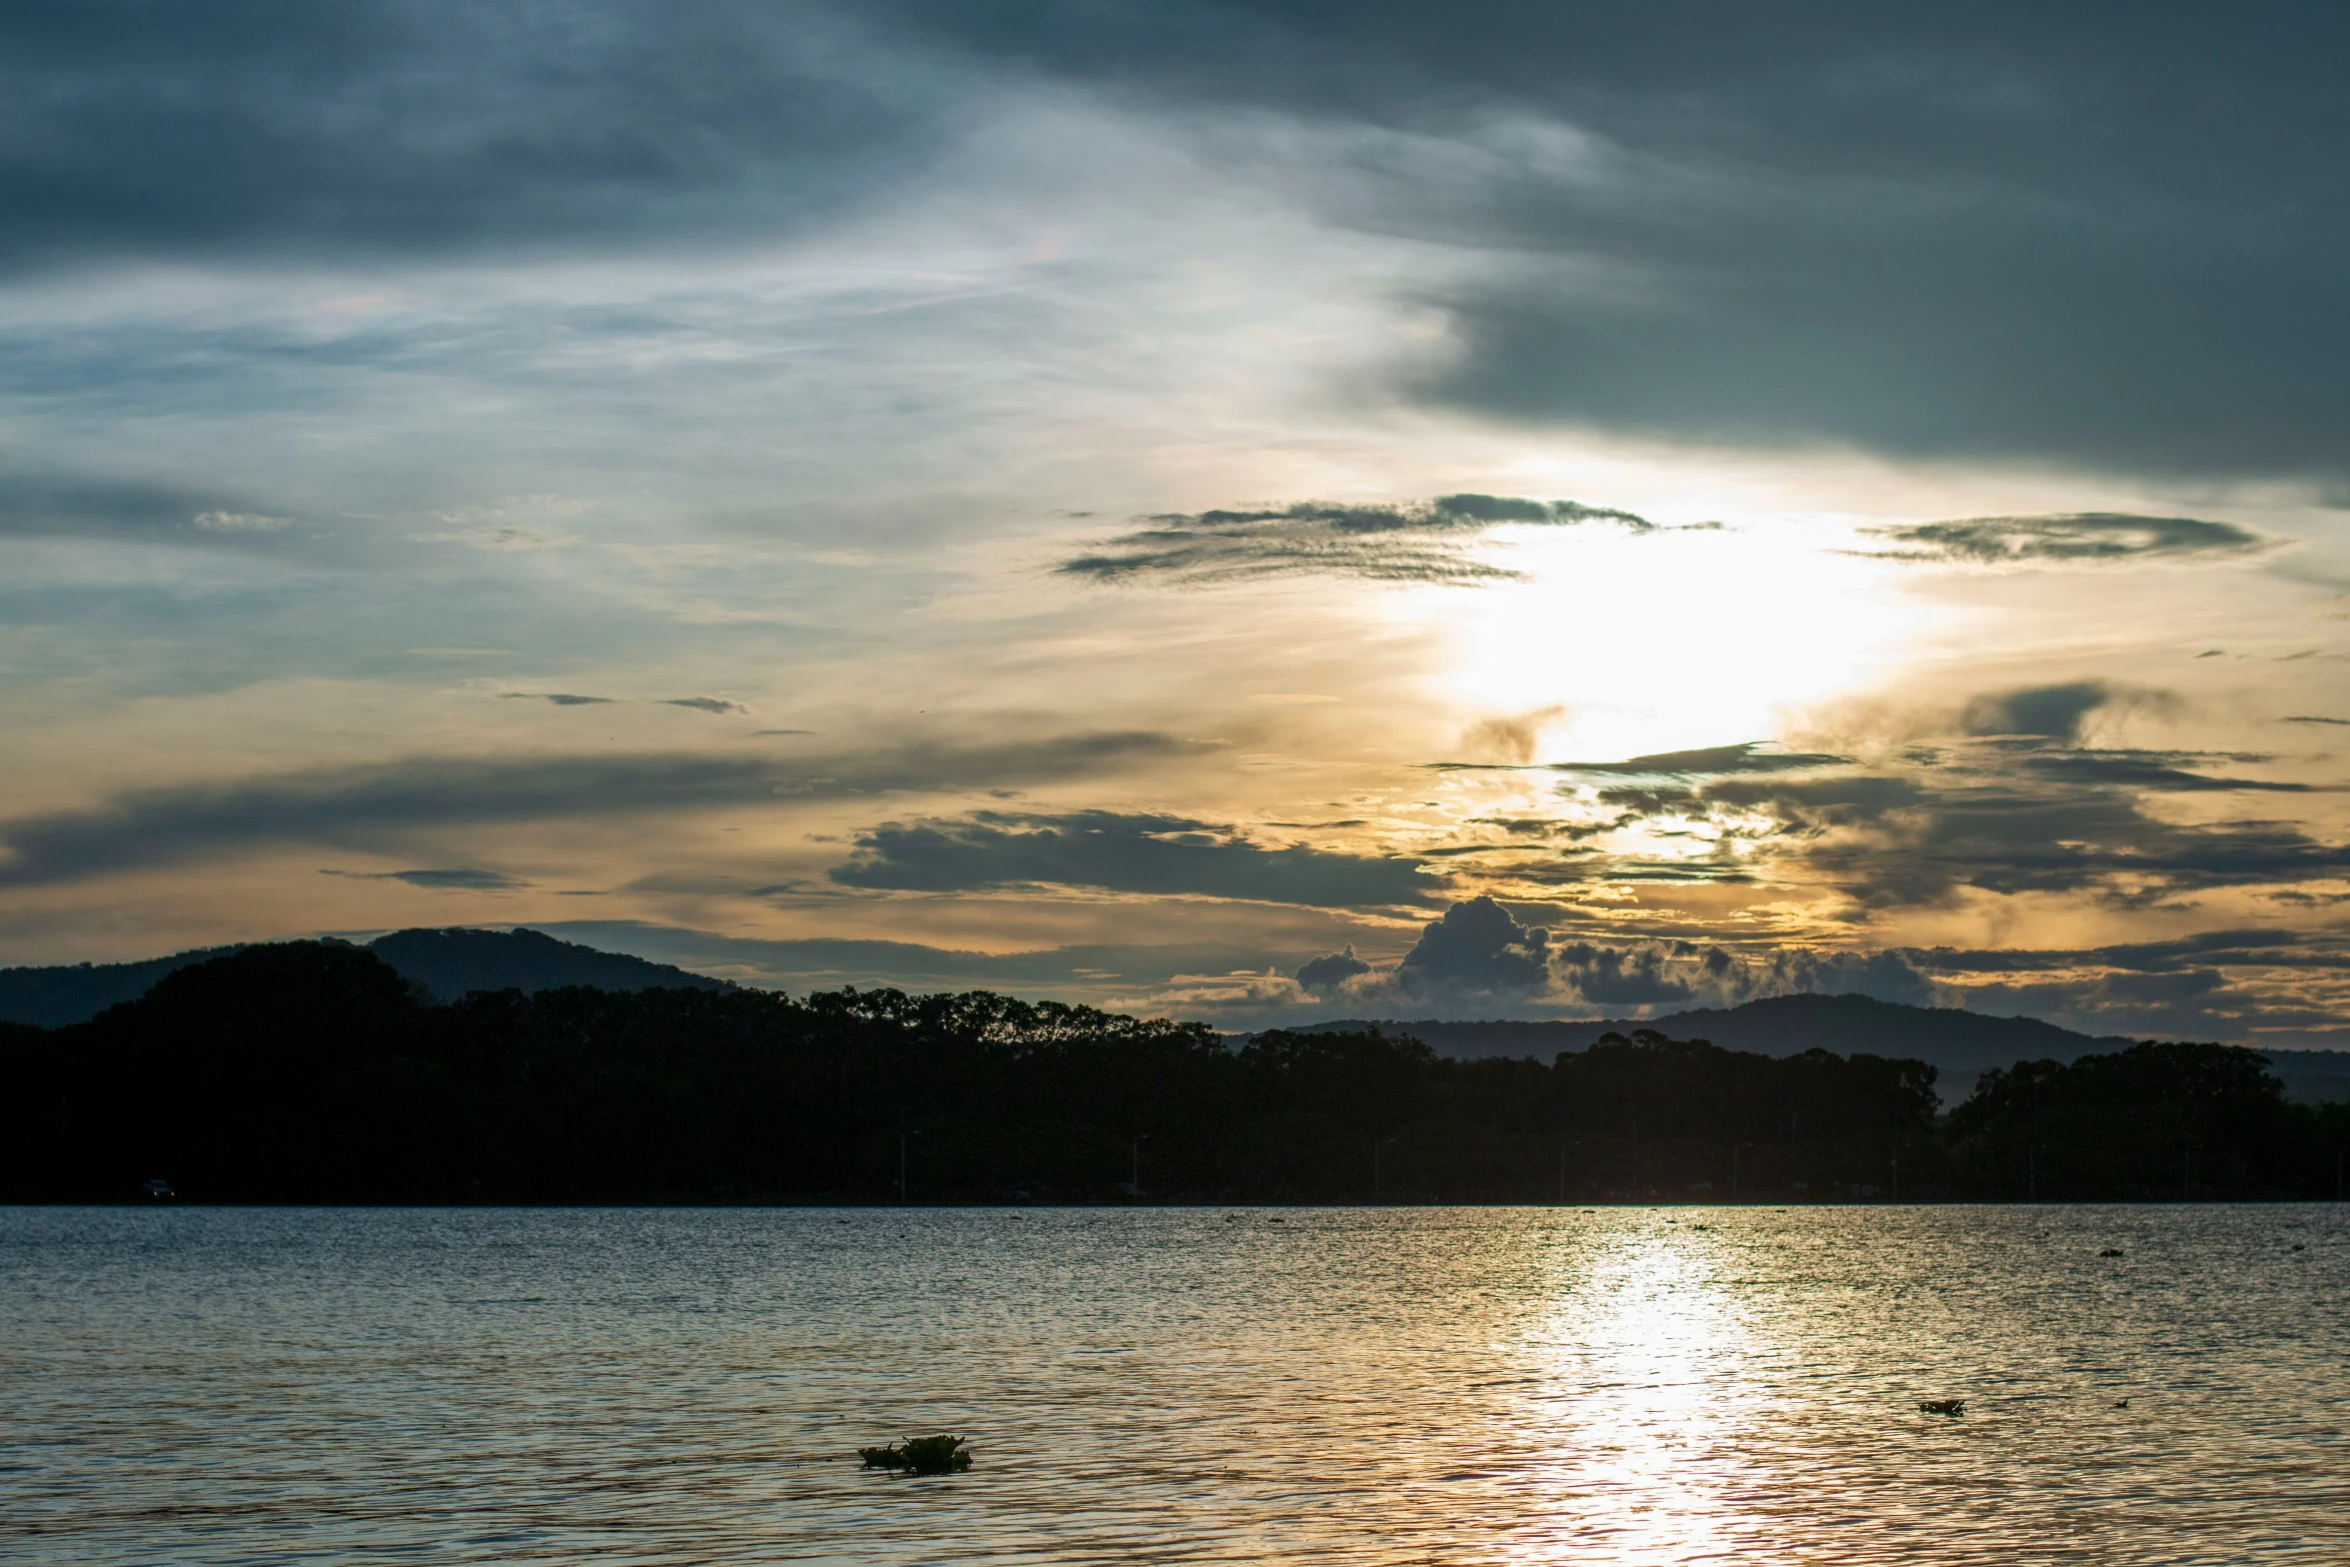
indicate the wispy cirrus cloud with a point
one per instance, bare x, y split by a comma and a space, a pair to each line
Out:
375, 805
449, 879
2067, 538
1425, 541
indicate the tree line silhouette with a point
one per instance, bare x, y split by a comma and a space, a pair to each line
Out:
311, 1072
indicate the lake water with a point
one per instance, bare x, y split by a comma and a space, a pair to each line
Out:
184, 1385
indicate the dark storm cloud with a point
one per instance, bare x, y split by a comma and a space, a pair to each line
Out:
1422, 542
2100, 235
372, 804
1166, 855
2078, 536
139, 128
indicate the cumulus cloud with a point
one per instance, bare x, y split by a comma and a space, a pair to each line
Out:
1119, 853
1476, 947
1329, 972
1610, 976
1421, 542
2072, 536
1478, 959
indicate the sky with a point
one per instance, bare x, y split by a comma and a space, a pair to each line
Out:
1250, 512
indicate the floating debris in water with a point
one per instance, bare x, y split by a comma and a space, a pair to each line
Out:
2111, 1251
920, 1455
2121, 1403
1943, 1406
2297, 1246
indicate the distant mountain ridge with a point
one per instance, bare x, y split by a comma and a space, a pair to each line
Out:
448, 963
1961, 1046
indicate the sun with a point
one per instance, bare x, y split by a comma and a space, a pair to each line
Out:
1671, 640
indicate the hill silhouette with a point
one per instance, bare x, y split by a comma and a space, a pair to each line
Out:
317, 1072
447, 963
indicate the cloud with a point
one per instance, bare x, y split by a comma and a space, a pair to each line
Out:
2055, 712
370, 805
2305, 718
1721, 760
1611, 977
2156, 770
2007, 813
1329, 972
1887, 975
1421, 542
559, 698
239, 522
2075, 536
1165, 855
437, 127
455, 880
1477, 947
78, 507
2238, 984
706, 704
1983, 233
1510, 739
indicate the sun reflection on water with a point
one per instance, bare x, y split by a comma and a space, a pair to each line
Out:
1641, 1396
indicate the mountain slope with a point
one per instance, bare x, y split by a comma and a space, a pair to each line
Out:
447, 963
75, 992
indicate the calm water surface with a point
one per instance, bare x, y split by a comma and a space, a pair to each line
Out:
183, 1385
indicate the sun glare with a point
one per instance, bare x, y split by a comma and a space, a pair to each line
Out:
1652, 643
